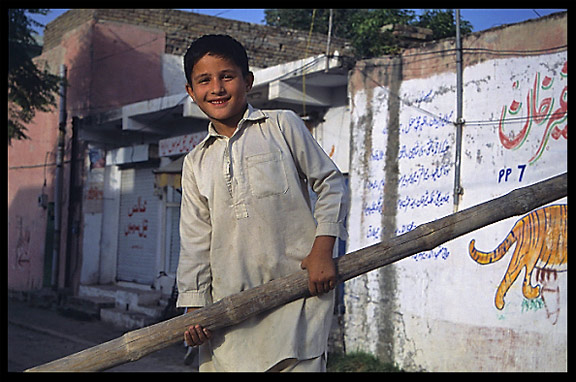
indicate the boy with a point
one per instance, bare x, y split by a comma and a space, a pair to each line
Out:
246, 219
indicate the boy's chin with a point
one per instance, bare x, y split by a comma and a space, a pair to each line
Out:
220, 117
224, 115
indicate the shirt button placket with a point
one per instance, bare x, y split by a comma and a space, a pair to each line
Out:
237, 204
227, 170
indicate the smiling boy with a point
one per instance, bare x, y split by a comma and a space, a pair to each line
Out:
246, 219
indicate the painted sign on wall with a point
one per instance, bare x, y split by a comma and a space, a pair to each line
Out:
541, 240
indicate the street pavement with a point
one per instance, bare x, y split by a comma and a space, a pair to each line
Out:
40, 335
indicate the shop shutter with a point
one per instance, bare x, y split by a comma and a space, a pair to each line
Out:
138, 232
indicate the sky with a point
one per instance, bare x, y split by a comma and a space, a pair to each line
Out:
480, 19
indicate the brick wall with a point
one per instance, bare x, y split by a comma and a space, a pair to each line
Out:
266, 46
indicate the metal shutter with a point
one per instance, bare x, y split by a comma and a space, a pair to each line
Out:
138, 234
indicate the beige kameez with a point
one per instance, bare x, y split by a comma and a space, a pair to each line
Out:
245, 220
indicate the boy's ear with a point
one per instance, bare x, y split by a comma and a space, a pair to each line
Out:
249, 78
190, 91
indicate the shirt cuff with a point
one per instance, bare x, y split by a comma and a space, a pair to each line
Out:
332, 229
193, 299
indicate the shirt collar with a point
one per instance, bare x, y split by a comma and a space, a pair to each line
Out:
251, 114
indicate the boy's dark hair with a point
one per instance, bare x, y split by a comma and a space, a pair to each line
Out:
217, 45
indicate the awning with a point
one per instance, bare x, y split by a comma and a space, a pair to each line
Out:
171, 174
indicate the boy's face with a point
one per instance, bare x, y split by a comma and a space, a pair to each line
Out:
219, 89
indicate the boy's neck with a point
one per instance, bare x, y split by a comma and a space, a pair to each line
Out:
229, 126
223, 129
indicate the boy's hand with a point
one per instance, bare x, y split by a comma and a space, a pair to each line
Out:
320, 266
196, 335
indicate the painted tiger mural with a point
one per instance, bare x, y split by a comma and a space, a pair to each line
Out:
541, 239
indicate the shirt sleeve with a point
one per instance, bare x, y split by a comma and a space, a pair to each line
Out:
322, 174
194, 273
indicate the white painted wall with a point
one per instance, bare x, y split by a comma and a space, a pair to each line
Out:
445, 317
334, 135
173, 74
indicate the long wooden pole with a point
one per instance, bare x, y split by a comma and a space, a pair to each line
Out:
238, 307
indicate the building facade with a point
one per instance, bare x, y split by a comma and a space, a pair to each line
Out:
129, 124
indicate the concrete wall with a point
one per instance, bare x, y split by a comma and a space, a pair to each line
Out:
442, 310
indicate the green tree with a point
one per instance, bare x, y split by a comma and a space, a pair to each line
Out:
362, 26
367, 38
301, 19
29, 88
442, 22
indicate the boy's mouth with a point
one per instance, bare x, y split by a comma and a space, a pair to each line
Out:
218, 102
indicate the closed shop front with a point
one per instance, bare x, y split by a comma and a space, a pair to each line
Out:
138, 229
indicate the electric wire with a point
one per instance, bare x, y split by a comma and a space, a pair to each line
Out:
411, 104
515, 120
497, 52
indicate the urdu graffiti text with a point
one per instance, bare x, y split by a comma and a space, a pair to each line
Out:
434, 198
418, 123
137, 229
139, 207
417, 150
439, 252
538, 112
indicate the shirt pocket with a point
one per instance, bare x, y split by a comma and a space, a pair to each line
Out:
266, 174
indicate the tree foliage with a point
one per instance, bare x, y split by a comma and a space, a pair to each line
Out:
29, 88
362, 26
442, 22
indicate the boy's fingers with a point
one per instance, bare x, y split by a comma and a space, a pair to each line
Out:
191, 337
312, 288
203, 333
320, 287
207, 333
325, 287
196, 335
315, 288
188, 339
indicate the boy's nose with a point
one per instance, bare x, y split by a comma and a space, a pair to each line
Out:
218, 88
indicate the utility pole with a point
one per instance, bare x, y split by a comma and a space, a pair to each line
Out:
458, 191
328, 40
58, 181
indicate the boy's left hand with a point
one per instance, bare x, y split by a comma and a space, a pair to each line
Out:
320, 266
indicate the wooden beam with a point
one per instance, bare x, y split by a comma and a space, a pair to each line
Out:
238, 307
